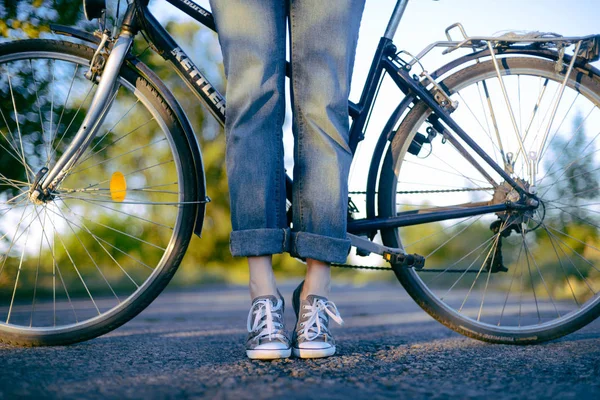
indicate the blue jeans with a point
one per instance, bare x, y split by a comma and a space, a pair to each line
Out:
323, 35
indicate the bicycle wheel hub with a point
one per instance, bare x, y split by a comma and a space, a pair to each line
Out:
37, 195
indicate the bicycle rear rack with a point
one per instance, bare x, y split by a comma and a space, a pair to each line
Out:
589, 50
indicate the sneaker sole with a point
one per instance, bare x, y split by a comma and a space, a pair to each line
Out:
265, 354
314, 353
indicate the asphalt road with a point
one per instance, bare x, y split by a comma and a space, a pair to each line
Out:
190, 345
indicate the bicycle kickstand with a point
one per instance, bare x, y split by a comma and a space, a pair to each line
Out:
397, 257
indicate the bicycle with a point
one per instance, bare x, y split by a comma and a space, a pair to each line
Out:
502, 241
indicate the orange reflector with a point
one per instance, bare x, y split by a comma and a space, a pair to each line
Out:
118, 186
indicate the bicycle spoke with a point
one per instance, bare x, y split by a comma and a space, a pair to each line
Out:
149, 203
486, 243
84, 159
12, 96
437, 232
14, 239
443, 171
562, 152
561, 122
88, 253
562, 267
75, 267
101, 245
493, 238
494, 121
117, 156
54, 148
128, 214
51, 127
37, 271
543, 282
577, 240
125, 233
108, 131
514, 274
55, 269
560, 246
15, 152
37, 99
108, 243
148, 188
131, 173
491, 250
558, 99
487, 282
12, 300
486, 131
453, 237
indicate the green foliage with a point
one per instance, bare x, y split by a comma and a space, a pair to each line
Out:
580, 180
24, 19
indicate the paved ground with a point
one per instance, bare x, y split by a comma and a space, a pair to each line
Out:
189, 345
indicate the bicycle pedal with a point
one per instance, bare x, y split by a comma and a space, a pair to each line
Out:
400, 260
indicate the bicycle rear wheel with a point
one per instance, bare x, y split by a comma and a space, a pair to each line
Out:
111, 236
503, 277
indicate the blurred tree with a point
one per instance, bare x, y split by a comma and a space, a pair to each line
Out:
208, 258
22, 19
574, 180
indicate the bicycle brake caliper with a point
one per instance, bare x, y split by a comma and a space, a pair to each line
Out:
98, 60
440, 95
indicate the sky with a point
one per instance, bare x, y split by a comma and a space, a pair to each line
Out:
424, 21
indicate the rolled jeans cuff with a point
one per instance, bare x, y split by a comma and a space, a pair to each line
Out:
259, 242
318, 247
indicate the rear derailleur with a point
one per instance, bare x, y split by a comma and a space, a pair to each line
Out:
495, 263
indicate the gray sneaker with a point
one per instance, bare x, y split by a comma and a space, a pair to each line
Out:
311, 338
267, 338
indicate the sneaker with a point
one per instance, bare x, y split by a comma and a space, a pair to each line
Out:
311, 338
267, 338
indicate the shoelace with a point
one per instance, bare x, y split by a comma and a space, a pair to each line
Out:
268, 327
313, 324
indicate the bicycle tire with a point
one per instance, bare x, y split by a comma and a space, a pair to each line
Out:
585, 83
161, 120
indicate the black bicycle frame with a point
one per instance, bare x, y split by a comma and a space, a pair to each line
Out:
382, 62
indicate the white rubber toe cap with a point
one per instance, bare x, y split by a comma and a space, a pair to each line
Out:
314, 351
271, 346
315, 345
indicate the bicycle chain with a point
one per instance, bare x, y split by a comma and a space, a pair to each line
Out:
435, 191
362, 267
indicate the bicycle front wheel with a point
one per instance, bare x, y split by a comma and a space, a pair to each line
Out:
97, 251
504, 277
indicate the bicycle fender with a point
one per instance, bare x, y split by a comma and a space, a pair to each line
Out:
76, 33
192, 141
530, 51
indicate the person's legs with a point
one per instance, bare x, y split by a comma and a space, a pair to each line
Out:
262, 279
252, 36
317, 280
323, 44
